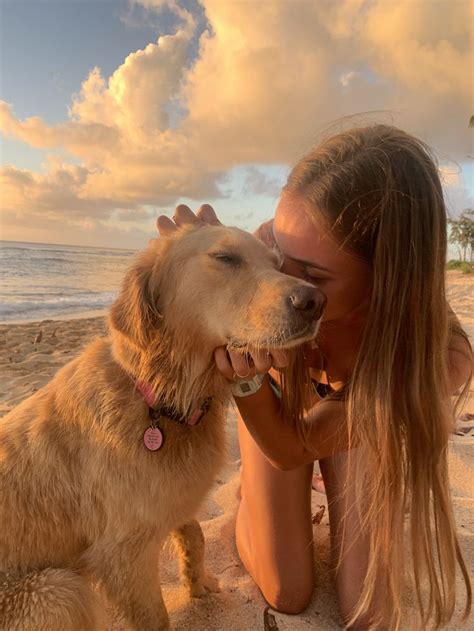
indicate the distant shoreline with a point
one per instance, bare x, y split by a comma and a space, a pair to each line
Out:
83, 315
72, 245
58, 282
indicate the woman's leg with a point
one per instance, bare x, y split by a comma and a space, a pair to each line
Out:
274, 531
348, 542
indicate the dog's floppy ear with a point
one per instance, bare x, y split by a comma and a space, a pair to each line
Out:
135, 313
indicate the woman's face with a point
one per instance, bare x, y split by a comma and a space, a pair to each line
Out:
312, 254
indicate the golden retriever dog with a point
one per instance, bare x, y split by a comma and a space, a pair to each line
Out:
99, 466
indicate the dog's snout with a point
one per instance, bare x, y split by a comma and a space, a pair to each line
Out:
308, 301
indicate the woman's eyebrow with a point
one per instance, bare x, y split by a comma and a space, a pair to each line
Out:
300, 261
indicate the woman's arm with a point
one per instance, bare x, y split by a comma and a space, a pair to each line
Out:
327, 434
459, 354
460, 367
279, 440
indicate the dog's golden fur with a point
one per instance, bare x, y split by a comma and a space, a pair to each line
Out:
81, 498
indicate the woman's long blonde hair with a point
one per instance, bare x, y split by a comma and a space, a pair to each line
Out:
378, 190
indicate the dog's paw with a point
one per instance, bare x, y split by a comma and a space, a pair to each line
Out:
208, 583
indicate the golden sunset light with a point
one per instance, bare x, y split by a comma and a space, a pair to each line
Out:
236, 315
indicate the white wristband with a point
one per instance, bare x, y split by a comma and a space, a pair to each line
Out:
246, 388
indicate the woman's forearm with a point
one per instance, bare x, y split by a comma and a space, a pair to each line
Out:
277, 439
280, 441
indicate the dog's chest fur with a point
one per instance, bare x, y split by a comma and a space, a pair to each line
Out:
165, 486
77, 446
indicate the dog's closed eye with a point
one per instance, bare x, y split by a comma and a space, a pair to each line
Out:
228, 258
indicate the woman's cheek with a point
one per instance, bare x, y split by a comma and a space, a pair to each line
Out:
331, 310
338, 299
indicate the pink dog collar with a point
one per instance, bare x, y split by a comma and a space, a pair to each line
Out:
147, 392
153, 438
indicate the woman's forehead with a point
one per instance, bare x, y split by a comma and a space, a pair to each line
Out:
297, 234
301, 234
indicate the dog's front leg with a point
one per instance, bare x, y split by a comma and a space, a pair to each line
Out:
129, 572
189, 542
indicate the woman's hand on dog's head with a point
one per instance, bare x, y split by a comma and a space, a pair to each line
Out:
184, 215
234, 365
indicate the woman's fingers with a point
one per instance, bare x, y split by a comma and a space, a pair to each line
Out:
184, 215
234, 366
223, 362
207, 214
165, 226
262, 360
279, 358
243, 365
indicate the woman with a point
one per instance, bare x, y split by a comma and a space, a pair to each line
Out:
362, 217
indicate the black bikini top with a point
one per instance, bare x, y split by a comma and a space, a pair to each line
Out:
322, 389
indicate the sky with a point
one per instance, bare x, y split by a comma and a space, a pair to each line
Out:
114, 111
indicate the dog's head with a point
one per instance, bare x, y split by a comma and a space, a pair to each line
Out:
213, 286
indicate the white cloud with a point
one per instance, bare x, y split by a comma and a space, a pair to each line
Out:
346, 78
458, 186
264, 83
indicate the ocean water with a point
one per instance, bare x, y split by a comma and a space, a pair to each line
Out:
41, 281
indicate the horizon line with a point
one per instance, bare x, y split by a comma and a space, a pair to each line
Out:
71, 245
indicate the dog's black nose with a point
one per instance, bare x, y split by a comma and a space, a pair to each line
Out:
308, 301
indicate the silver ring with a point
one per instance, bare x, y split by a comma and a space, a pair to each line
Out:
236, 374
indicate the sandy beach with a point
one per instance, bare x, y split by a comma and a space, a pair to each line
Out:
31, 353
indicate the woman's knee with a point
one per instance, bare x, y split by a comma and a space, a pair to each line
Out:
290, 597
287, 589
